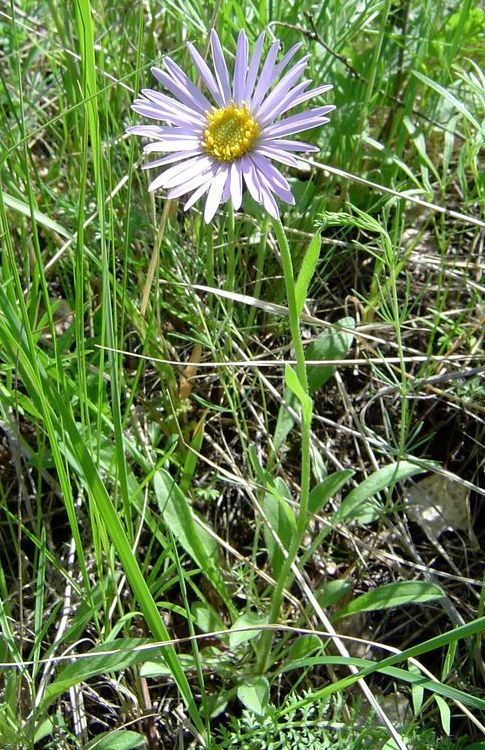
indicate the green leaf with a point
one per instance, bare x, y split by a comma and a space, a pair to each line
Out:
42, 730
449, 660
68, 445
42, 219
392, 595
180, 519
445, 714
417, 692
324, 491
303, 646
254, 694
206, 617
307, 270
160, 669
333, 591
247, 620
360, 504
367, 667
333, 343
451, 99
116, 655
279, 515
294, 385
121, 739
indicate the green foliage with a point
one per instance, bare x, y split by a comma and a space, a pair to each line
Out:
320, 726
157, 478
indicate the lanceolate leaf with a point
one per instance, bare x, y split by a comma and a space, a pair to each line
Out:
392, 595
180, 519
325, 490
115, 656
280, 516
307, 270
121, 739
361, 505
333, 343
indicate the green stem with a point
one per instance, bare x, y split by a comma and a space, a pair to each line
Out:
259, 272
264, 659
231, 250
291, 298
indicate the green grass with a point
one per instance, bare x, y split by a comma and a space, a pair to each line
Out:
197, 541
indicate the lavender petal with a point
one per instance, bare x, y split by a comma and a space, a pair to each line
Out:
280, 90
253, 68
266, 196
206, 74
215, 193
172, 106
249, 175
240, 68
155, 112
236, 184
150, 131
313, 93
286, 59
180, 173
304, 122
269, 170
220, 67
277, 155
180, 92
196, 195
170, 159
266, 79
195, 182
179, 76
285, 145
283, 193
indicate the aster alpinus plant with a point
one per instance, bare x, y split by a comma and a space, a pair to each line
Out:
220, 149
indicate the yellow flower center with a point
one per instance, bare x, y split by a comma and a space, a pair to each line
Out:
230, 132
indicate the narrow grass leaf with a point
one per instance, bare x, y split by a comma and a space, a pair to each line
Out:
367, 667
69, 447
417, 692
451, 99
42, 219
469, 630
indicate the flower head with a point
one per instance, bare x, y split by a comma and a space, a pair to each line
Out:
219, 144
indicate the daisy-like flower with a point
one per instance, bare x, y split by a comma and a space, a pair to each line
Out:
221, 146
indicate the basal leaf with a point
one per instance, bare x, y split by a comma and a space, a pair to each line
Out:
393, 595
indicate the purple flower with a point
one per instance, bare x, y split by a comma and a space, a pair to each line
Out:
216, 148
